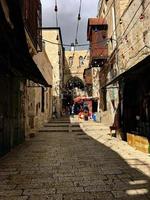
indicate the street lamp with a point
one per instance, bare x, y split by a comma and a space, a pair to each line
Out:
72, 46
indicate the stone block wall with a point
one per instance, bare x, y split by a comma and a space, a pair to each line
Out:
134, 35
52, 37
39, 98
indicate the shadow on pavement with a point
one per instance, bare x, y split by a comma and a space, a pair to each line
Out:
70, 166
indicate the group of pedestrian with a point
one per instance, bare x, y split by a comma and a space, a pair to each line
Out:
82, 110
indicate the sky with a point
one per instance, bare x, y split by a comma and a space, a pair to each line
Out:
67, 17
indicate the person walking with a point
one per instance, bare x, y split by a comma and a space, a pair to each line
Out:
72, 110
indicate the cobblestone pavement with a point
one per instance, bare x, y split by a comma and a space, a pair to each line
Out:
65, 161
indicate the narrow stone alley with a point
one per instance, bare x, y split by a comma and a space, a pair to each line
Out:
67, 160
75, 100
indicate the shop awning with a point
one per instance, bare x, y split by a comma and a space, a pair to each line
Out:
14, 51
138, 70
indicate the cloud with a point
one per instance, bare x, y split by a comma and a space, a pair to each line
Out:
67, 17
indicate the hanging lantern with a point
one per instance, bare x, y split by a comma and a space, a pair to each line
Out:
57, 38
141, 17
76, 41
123, 56
120, 21
79, 17
126, 38
72, 46
56, 9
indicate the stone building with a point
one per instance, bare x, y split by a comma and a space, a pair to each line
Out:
97, 36
76, 61
126, 72
55, 52
38, 96
110, 12
16, 66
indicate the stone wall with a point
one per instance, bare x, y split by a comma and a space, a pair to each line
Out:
128, 42
76, 61
54, 52
110, 11
134, 42
76, 68
39, 98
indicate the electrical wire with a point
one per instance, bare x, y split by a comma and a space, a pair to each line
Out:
127, 51
126, 29
107, 13
78, 21
137, 53
56, 20
76, 37
129, 30
120, 40
132, 46
77, 29
56, 10
138, 18
78, 45
103, 21
133, 56
121, 17
118, 23
132, 19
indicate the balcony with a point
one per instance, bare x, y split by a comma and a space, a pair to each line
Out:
32, 15
97, 36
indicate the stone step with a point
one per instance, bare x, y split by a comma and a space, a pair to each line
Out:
94, 128
59, 121
60, 129
53, 130
56, 125
61, 125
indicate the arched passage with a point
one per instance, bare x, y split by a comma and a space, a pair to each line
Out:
74, 87
74, 82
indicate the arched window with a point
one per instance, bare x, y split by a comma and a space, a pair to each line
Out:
81, 60
70, 61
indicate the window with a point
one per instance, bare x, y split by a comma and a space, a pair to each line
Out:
95, 29
81, 59
70, 61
